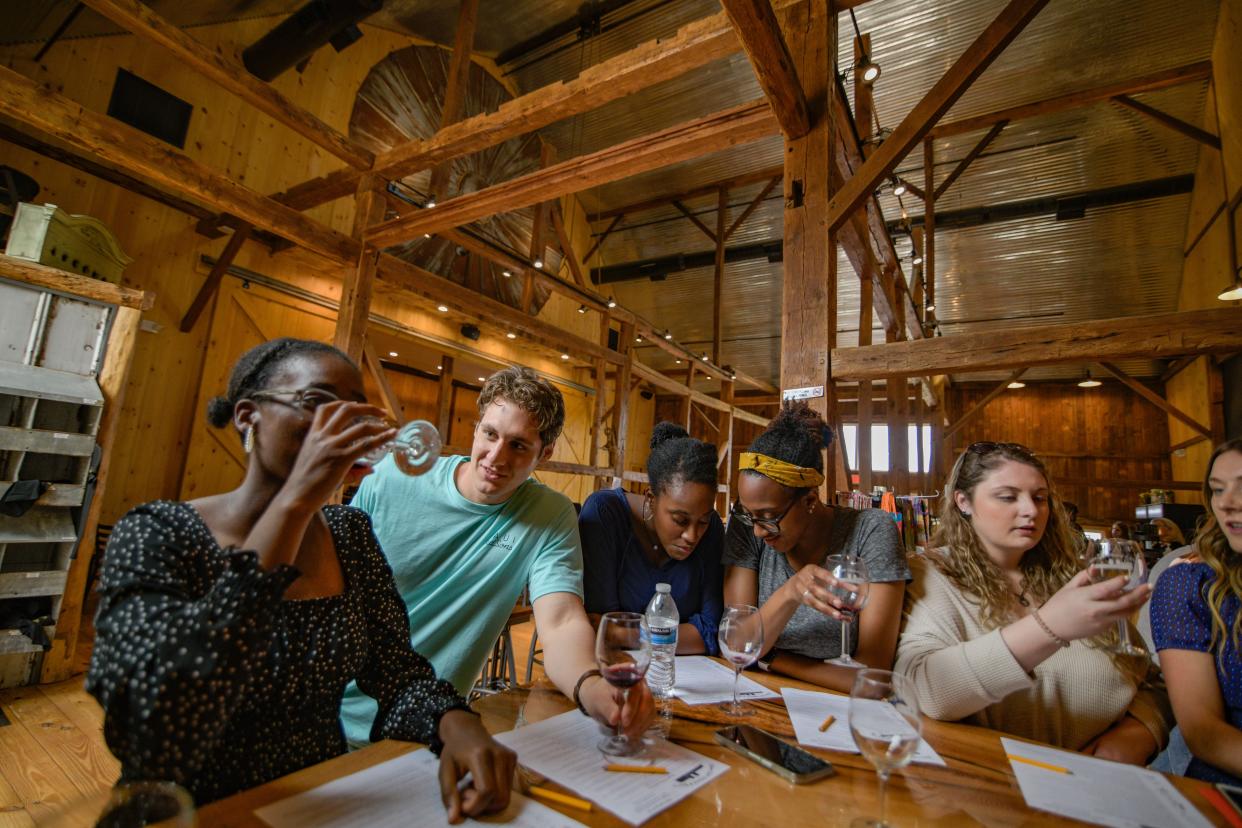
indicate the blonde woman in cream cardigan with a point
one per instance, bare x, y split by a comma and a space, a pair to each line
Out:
1004, 629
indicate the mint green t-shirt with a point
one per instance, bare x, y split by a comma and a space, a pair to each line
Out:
460, 566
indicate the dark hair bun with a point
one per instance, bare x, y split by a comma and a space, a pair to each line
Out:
800, 418
666, 431
219, 411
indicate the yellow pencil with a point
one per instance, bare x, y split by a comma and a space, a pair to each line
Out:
635, 769
827, 723
1036, 763
564, 799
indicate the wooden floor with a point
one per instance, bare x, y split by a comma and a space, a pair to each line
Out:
52, 749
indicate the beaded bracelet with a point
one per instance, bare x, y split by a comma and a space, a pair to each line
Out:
1061, 642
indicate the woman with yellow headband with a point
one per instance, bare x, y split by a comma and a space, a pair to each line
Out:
777, 542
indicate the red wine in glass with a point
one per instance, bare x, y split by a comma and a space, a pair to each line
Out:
622, 651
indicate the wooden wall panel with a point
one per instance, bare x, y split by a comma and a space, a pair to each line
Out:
1105, 433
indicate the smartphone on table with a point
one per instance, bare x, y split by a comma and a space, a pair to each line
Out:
790, 762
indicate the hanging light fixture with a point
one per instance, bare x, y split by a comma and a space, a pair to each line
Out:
1090, 381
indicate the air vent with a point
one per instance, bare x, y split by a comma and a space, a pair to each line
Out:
145, 106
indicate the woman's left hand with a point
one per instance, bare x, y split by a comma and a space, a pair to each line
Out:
468, 748
1127, 741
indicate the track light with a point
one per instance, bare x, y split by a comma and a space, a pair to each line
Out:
564, 356
442, 308
482, 379
508, 275
426, 235
677, 361
612, 303
392, 353
511, 335
667, 335
931, 307
582, 309
918, 258
1016, 385
538, 263
439, 367
638, 339
899, 187
869, 69
1233, 293
1090, 381
431, 202
704, 357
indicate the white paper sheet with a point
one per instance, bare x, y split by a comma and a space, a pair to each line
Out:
1099, 791
808, 709
701, 680
564, 749
395, 794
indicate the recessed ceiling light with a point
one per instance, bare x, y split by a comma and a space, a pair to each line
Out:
931, 306
442, 308
638, 339
678, 361
667, 335
511, 335
508, 274
612, 303
564, 356
430, 203
1015, 385
393, 353
482, 379
426, 235
538, 263
582, 309
439, 367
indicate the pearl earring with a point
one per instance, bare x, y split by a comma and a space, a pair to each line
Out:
248, 439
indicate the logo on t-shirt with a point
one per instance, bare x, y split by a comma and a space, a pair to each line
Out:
506, 544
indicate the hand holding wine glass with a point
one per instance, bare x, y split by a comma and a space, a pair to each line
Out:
740, 636
414, 448
850, 585
1111, 558
623, 652
886, 725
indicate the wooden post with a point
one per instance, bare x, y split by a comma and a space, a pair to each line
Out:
929, 223
537, 246
455, 86
917, 474
687, 402
444, 399
724, 452
862, 449
621, 408
372, 362
808, 323
722, 207
351, 319
601, 393
59, 661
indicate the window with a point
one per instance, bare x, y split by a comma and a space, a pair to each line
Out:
879, 446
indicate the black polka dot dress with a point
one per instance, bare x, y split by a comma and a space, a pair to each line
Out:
208, 678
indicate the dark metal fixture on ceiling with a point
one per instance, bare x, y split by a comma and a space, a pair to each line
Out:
302, 33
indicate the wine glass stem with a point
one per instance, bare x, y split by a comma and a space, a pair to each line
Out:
1123, 634
883, 797
845, 638
625, 697
737, 672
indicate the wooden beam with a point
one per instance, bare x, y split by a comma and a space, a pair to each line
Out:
929, 224
599, 241
567, 246
1189, 73
224, 71
561, 467
757, 28
1153, 337
1155, 399
26, 102
722, 213
621, 406
1187, 443
455, 86
977, 57
702, 191
695, 44
62, 281
738, 125
444, 398
862, 445
212, 282
695, 220
538, 243
1176, 124
359, 281
809, 286
974, 153
996, 391
753, 205
391, 401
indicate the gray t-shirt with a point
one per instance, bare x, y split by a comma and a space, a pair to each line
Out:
870, 534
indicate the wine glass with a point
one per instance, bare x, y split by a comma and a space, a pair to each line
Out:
886, 726
129, 805
623, 651
740, 635
851, 588
414, 449
1107, 559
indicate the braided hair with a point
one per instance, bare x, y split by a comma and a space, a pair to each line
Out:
675, 455
796, 435
255, 369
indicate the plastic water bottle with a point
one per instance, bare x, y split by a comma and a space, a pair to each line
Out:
662, 621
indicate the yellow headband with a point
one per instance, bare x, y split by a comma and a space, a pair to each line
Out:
787, 474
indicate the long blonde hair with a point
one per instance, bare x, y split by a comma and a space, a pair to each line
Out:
1213, 549
1046, 567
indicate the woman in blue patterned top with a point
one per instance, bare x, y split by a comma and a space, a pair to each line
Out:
1197, 627
671, 534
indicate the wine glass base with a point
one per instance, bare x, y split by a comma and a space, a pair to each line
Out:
845, 661
1128, 650
615, 745
736, 710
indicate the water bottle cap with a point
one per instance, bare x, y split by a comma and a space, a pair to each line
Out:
663, 588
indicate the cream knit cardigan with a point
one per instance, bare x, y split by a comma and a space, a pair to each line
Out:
963, 671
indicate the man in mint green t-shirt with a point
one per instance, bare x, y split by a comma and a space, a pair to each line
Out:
464, 538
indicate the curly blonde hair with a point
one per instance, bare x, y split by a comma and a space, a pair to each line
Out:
1046, 567
1213, 549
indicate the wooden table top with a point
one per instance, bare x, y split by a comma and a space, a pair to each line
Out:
977, 787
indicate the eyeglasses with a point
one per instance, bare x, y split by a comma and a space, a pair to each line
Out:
770, 525
986, 447
307, 399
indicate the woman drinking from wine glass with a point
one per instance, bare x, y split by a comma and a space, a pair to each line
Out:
1005, 629
777, 548
229, 625
671, 534
1197, 626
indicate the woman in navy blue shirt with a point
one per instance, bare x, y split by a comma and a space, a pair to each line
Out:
670, 534
1196, 621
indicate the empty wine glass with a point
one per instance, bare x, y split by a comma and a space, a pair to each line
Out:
1109, 558
414, 449
851, 588
623, 651
740, 635
886, 726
